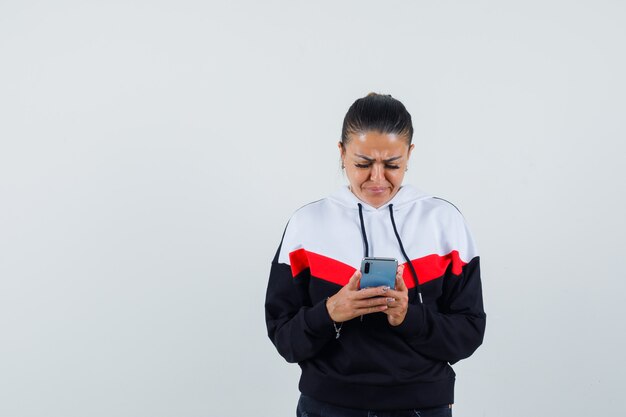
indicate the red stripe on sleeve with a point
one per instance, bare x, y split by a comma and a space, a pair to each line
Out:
321, 266
330, 269
432, 267
299, 261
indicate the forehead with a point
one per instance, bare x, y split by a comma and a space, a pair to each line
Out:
376, 144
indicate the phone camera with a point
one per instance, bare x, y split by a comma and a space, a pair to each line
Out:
367, 267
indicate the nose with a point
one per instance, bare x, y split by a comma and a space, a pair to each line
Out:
377, 173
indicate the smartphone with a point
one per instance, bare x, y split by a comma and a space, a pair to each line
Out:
376, 272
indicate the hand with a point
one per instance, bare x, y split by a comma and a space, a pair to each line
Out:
350, 302
398, 300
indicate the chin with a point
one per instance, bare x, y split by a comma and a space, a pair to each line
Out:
378, 200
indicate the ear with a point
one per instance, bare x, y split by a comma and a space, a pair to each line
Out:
342, 150
410, 150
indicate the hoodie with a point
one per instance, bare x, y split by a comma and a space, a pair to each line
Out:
374, 365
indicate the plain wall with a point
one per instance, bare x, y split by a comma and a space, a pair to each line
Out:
152, 152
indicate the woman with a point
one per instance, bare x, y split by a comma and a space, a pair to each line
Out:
376, 351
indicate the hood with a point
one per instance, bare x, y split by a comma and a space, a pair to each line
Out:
407, 194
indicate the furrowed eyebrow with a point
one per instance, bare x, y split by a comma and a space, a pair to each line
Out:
372, 160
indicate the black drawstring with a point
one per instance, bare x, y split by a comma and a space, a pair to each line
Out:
364, 235
408, 261
367, 248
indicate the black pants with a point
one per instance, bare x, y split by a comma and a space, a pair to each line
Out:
309, 407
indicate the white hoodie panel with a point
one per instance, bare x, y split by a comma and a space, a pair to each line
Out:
330, 227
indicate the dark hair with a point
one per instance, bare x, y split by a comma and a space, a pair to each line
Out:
377, 112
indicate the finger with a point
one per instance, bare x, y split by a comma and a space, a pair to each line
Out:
397, 294
370, 302
370, 310
353, 283
400, 284
391, 302
395, 308
370, 292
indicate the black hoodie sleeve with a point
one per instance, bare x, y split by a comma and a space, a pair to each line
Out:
298, 329
453, 328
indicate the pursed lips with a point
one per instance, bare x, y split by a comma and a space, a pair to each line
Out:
377, 189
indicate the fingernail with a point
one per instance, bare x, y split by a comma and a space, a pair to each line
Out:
385, 288
391, 300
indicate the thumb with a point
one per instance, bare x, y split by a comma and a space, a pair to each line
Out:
400, 284
353, 284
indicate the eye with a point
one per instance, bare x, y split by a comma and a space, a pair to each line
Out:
392, 166
362, 165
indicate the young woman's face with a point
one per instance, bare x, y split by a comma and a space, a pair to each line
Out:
375, 164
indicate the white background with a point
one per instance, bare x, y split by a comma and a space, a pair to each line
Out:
152, 151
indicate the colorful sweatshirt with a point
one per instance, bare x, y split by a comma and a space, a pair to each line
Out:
374, 365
